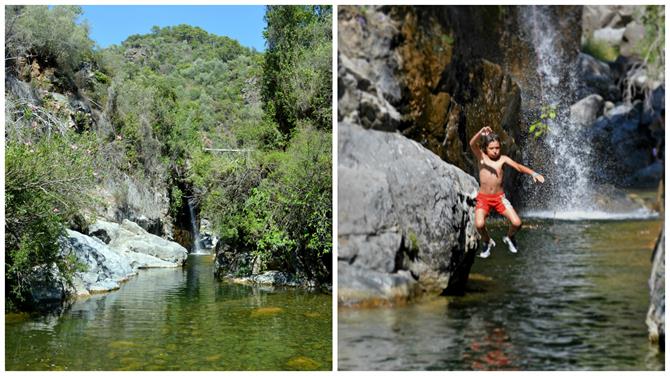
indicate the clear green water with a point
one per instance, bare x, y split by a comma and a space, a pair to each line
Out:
574, 298
178, 319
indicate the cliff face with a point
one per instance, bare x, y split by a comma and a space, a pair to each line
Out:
439, 74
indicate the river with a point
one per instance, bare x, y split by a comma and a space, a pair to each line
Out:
178, 319
575, 297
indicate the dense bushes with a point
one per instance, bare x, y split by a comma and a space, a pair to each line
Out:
46, 185
50, 33
297, 83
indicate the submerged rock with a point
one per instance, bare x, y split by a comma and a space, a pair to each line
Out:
303, 363
266, 311
406, 219
270, 278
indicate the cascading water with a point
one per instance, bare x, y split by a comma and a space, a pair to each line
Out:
567, 158
197, 247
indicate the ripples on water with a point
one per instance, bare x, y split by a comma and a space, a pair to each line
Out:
179, 319
575, 297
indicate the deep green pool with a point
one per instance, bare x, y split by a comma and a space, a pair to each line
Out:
575, 297
178, 319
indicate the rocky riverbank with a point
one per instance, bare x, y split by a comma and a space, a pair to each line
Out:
107, 256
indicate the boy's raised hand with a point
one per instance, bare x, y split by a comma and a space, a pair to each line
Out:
485, 130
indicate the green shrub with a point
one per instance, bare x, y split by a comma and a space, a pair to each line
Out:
46, 186
49, 32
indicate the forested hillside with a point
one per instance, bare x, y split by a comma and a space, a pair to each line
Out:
136, 131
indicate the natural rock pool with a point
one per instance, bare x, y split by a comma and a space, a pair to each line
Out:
178, 319
575, 297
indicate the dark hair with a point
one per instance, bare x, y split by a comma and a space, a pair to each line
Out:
486, 140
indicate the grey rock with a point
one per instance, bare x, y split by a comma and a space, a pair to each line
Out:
362, 101
648, 176
22, 90
367, 85
656, 313
632, 36
46, 285
587, 110
359, 286
602, 16
208, 237
134, 242
609, 35
105, 268
142, 202
401, 209
596, 78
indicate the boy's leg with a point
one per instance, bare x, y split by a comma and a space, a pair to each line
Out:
515, 221
480, 224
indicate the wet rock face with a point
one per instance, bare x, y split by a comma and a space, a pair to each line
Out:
656, 314
629, 140
406, 219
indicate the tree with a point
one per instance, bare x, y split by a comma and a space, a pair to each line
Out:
297, 82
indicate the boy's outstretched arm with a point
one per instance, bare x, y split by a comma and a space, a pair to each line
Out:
474, 141
523, 169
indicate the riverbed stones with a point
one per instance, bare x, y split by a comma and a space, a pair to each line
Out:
406, 219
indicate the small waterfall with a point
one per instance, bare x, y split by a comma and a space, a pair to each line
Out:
567, 160
197, 242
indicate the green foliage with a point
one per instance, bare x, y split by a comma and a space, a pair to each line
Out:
652, 47
278, 204
176, 197
45, 188
414, 241
448, 39
297, 83
50, 33
601, 50
541, 125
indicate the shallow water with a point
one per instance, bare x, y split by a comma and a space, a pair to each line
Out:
178, 319
575, 297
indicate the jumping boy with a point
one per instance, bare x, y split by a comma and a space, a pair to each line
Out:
491, 194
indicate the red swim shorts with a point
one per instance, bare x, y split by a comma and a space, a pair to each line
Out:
495, 200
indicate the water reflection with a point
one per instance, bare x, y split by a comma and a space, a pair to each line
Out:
574, 298
179, 319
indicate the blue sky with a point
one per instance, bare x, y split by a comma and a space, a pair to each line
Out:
112, 24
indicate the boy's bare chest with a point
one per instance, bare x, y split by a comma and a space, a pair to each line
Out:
489, 168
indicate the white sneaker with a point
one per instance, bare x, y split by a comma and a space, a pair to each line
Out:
486, 249
510, 244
